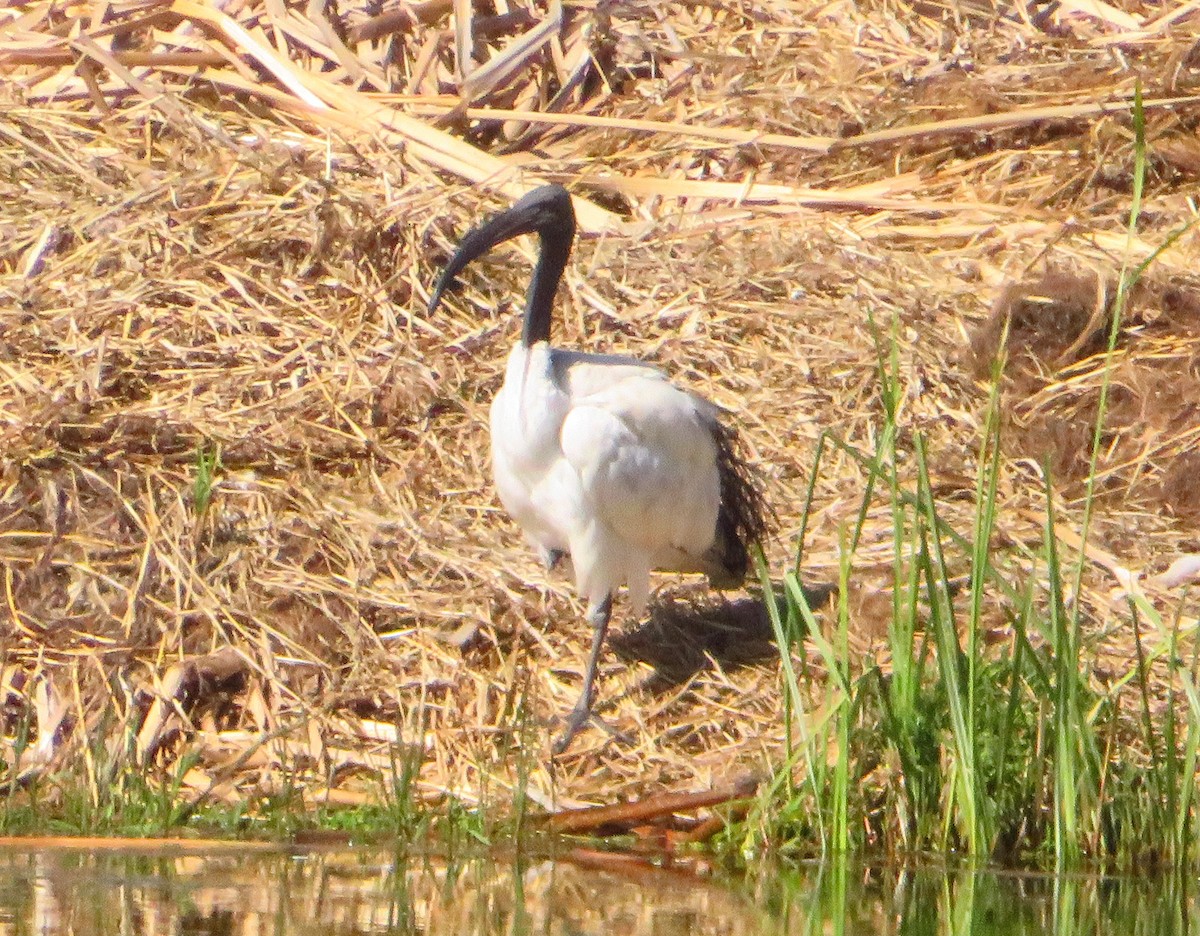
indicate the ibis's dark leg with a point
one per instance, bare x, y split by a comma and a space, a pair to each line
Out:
599, 616
551, 558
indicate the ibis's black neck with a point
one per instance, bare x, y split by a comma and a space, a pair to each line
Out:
554, 251
546, 211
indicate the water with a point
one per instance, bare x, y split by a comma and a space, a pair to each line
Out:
235, 891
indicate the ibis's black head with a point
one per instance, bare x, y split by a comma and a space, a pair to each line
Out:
546, 211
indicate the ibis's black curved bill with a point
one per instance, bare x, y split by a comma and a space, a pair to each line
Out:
546, 211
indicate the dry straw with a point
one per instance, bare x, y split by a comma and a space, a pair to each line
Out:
218, 226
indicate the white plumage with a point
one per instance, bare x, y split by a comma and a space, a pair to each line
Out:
603, 459
600, 457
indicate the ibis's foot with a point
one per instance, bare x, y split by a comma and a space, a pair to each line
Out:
599, 614
580, 718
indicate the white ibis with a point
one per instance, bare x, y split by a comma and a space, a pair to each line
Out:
600, 457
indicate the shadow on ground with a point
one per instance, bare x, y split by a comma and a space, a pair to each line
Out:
685, 633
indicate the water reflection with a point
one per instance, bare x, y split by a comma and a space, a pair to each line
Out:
49, 892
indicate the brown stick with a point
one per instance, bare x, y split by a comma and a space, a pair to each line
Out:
405, 18
98, 843
130, 58
645, 810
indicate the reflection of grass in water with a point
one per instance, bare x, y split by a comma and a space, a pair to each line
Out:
944, 744
227, 889
841, 896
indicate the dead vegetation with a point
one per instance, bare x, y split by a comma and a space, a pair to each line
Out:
219, 226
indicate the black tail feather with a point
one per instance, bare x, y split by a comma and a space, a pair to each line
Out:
744, 517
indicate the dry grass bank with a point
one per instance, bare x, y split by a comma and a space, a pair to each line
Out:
218, 234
